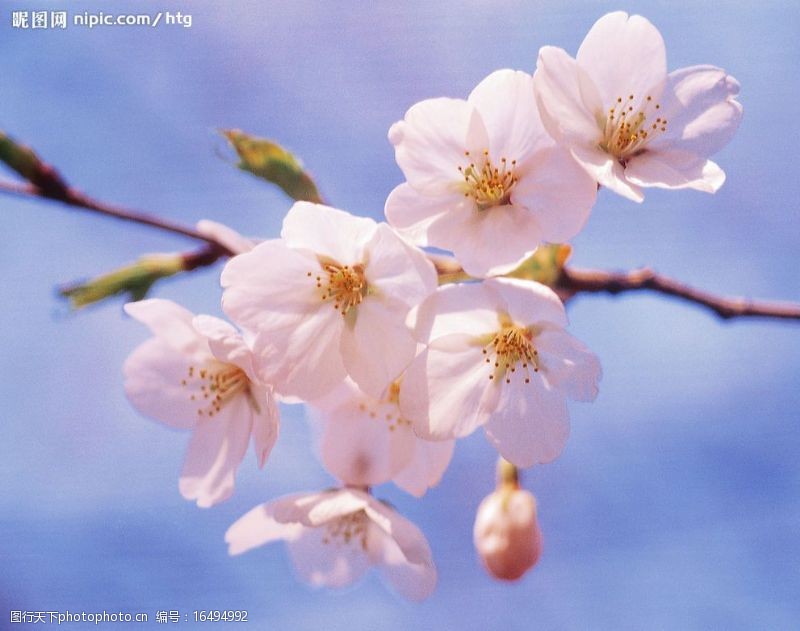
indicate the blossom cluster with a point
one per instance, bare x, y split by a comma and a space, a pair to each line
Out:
347, 315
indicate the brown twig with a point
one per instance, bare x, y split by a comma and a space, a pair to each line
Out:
574, 280
204, 256
70, 196
52, 186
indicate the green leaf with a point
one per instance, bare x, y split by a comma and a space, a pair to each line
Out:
544, 265
270, 161
134, 279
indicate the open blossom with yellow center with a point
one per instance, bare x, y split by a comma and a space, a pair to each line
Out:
497, 357
628, 122
335, 536
197, 373
482, 172
365, 441
328, 300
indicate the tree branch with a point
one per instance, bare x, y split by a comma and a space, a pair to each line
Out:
570, 281
56, 189
574, 281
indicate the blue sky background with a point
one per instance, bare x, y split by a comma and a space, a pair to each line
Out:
677, 501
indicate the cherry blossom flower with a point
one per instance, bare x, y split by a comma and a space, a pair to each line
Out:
366, 441
506, 532
484, 179
327, 300
334, 537
497, 356
628, 122
197, 373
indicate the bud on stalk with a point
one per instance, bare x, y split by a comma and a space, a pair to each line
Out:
506, 534
135, 279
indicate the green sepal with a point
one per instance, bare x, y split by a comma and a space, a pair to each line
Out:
134, 279
544, 265
20, 158
271, 162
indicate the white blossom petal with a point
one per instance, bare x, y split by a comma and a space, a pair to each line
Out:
530, 424
258, 527
529, 302
294, 509
271, 274
567, 98
215, 452
558, 193
409, 538
266, 422
428, 463
153, 383
430, 143
467, 308
493, 241
415, 581
508, 110
624, 55
673, 169
311, 361
608, 172
701, 110
363, 441
568, 365
327, 231
170, 322
446, 390
398, 270
379, 346
412, 213
323, 563
333, 505
317, 509
226, 343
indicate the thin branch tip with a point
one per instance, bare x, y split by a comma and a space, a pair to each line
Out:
575, 280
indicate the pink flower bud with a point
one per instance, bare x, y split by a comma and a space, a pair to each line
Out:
507, 536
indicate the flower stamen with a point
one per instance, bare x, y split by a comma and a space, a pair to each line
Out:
626, 131
489, 185
511, 349
343, 285
219, 384
386, 410
347, 529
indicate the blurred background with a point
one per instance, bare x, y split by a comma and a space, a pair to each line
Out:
676, 503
